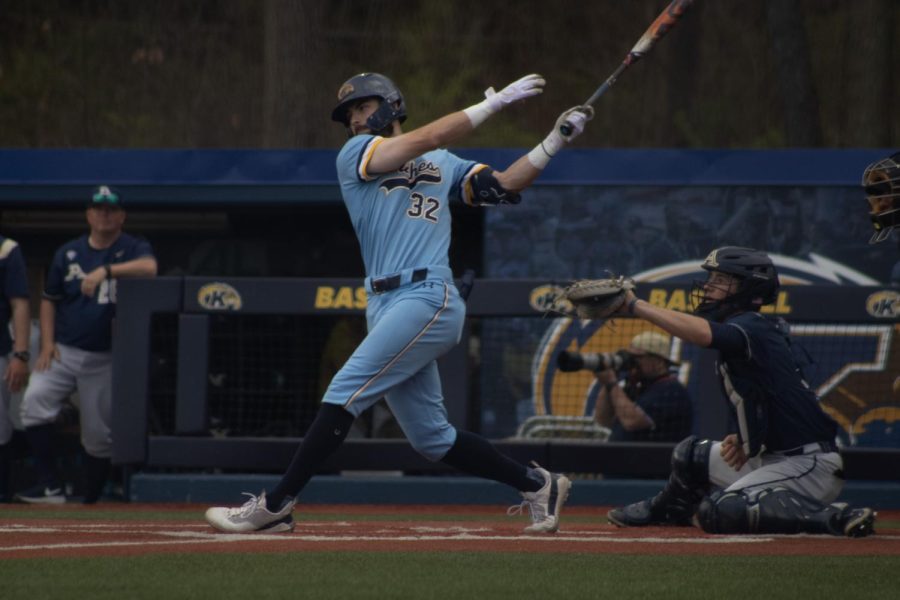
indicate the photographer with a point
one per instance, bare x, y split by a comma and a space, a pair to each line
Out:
651, 405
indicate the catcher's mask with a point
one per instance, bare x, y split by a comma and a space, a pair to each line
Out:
881, 181
752, 271
371, 85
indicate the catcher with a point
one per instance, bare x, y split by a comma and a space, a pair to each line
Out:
779, 471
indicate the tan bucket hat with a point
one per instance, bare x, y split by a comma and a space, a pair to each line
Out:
652, 342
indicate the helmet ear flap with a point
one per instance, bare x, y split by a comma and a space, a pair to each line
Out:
387, 112
371, 85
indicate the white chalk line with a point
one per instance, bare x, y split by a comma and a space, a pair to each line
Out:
452, 534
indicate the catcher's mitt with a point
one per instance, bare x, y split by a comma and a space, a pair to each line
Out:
597, 298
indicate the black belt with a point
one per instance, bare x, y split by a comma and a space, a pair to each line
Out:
810, 449
392, 282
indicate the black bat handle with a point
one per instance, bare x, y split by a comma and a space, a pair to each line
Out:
566, 128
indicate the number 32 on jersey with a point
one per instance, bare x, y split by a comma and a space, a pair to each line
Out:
423, 207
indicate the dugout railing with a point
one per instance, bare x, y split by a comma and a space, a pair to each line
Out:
184, 310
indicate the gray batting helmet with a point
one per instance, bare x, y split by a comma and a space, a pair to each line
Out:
371, 85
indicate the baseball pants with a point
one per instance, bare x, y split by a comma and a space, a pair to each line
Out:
409, 328
812, 475
90, 373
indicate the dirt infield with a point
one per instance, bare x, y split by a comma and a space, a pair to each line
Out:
380, 528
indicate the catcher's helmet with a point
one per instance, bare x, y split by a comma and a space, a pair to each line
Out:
371, 85
881, 181
756, 277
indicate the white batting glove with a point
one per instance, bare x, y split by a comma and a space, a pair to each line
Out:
573, 121
526, 87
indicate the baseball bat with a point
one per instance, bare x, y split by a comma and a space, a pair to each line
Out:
660, 27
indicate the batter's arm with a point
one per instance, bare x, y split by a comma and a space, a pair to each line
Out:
524, 171
394, 152
518, 175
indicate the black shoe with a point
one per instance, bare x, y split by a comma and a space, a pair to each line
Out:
860, 522
42, 494
642, 514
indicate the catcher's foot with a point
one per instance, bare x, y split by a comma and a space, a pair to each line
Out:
641, 514
633, 515
860, 522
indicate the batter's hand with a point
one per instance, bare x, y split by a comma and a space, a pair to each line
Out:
732, 452
576, 117
46, 357
16, 374
526, 87
92, 280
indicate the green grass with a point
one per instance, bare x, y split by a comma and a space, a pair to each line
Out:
424, 575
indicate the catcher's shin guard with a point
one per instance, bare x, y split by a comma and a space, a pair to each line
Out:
778, 510
684, 490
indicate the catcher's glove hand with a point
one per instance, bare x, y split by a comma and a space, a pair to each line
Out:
598, 298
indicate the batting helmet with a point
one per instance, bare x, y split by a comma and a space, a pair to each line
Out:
371, 85
881, 181
757, 282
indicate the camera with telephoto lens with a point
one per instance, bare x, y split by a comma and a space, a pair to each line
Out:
594, 361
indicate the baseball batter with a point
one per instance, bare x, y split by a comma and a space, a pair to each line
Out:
397, 188
780, 470
77, 309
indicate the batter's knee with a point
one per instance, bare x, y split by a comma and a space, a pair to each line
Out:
690, 461
433, 444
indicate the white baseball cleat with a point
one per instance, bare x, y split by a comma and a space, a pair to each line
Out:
252, 516
545, 504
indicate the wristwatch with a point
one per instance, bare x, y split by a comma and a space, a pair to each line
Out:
23, 355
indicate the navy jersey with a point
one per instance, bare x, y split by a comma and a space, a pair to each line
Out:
761, 376
401, 218
14, 282
665, 402
82, 321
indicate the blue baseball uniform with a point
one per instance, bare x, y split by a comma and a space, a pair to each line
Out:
81, 321
414, 313
13, 284
788, 436
83, 336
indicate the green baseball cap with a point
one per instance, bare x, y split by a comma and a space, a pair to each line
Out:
104, 194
